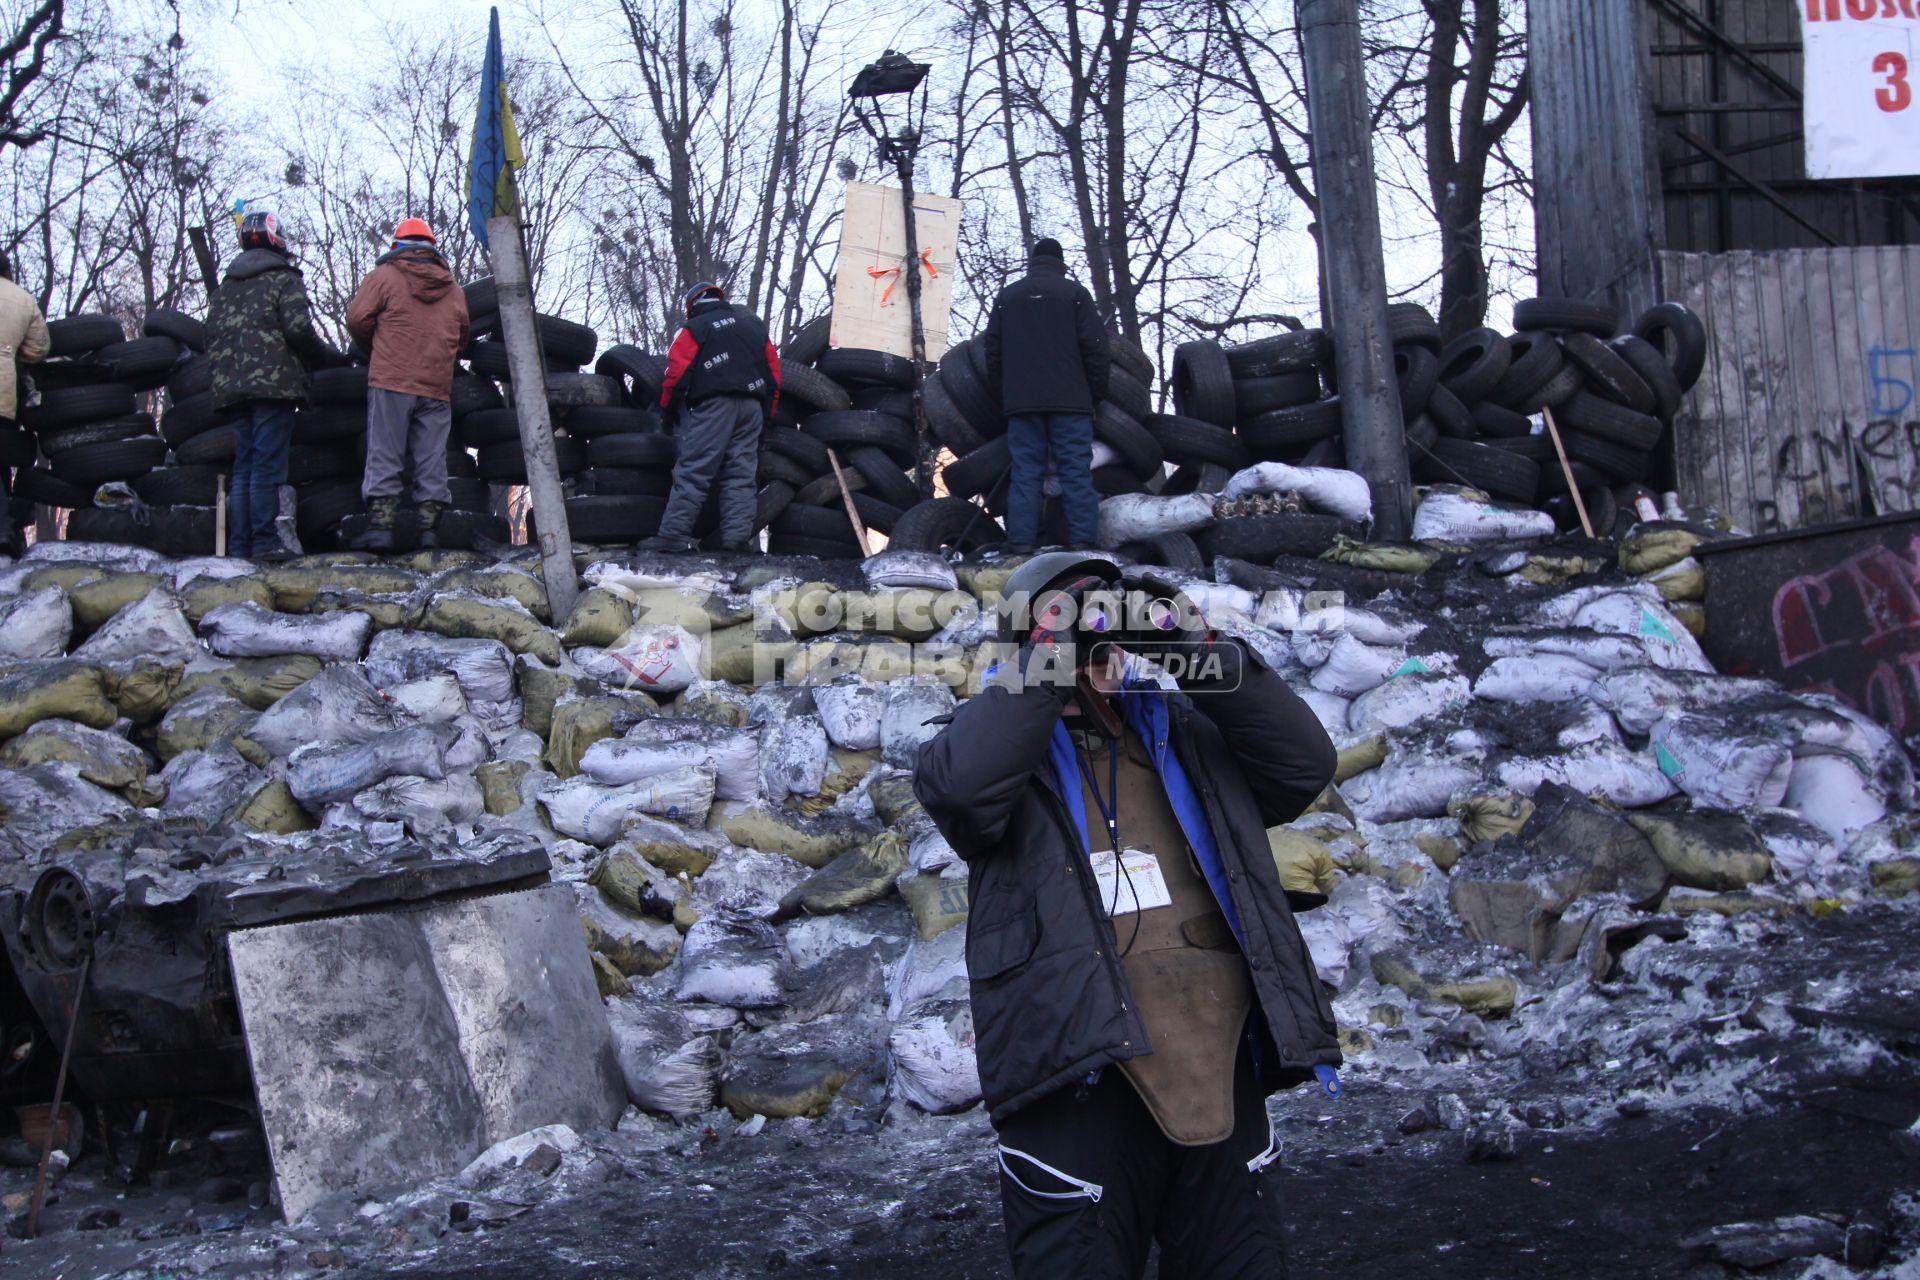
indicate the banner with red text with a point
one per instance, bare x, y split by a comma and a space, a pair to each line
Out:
1861, 119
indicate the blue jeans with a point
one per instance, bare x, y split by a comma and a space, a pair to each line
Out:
1067, 438
262, 430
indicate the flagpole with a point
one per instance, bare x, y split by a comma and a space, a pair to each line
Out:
513, 285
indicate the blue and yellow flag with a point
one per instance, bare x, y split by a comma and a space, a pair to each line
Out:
496, 144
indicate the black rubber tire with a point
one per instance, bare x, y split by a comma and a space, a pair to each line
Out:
944, 522
1677, 334
1298, 351
1501, 472
1197, 477
1169, 550
1285, 432
141, 363
1537, 360
1606, 420
614, 517
808, 343
884, 479
54, 443
319, 508
592, 421
172, 531
949, 425
796, 547
192, 378
1561, 387
1188, 440
641, 449
483, 297
1409, 322
1607, 374
980, 470
1561, 314
1260, 538
817, 492
1473, 364
179, 486
642, 372
460, 464
38, 485
655, 482
1128, 393
1612, 460
1646, 361
214, 446
977, 402
770, 502
76, 335
876, 513
468, 494
1553, 480
1331, 452
98, 464
802, 448
77, 406
1255, 396
892, 401
1134, 444
564, 341
505, 463
1448, 414
858, 364
808, 386
488, 358
489, 426
472, 394
846, 429
1131, 356
1421, 434
820, 524
1202, 383
1499, 422
1539, 448
346, 384
1417, 369
330, 424
171, 322
1114, 479
578, 389
315, 463
17, 448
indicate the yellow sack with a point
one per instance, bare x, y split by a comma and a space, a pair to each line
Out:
581, 722
258, 682
1358, 757
1706, 849
1488, 815
144, 693
294, 586
272, 808
1646, 551
845, 769
464, 615
104, 758
600, 618
807, 609
1692, 615
499, 583
937, 903
389, 613
540, 688
60, 689
1388, 557
203, 595
745, 654
628, 955
439, 560
906, 613
1684, 580
500, 785
98, 599
196, 723
870, 658
812, 842
1488, 997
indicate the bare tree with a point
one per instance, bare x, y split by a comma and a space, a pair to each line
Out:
24, 57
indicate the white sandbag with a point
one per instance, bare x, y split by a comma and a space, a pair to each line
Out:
666, 1066
1342, 493
207, 784
1452, 517
209, 569
1360, 913
928, 970
931, 1061
336, 706
245, 630
1133, 517
434, 700
484, 668
1802, 851
463, 743
151, 627
1547, 677
1333, 712
893, 569
1406, 700
1410, 785
1371, 625
1720, 765
1589, 723
117, 556
659, 745
652, 658
850, 711
1603, 652
1831, 793
1221, 603
1353, 667
905, 724
793, 757
425, 803
35, 625
322, 775
1668, 643
733, 959
1606, 769
586, 810
46, 801
930, 852
1639, 696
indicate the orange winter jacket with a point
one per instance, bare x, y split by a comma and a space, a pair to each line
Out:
413, 320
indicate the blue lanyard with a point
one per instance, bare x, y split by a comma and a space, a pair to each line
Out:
1109, 805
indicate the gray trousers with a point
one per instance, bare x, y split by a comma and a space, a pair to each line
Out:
400, 426
719, 439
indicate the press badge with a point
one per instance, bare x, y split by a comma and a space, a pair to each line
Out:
1136, 886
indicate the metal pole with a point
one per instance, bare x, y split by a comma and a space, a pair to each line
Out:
514, 288
924, 463
1337, 113
59, 1097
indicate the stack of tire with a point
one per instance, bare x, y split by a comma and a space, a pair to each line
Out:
964, 413
91, 428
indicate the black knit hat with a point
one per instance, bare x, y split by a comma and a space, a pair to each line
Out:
1048, 247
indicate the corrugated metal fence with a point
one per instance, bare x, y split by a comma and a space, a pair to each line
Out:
1808, 411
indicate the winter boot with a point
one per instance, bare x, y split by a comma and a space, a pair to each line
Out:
428, 514
381, 515
667, 542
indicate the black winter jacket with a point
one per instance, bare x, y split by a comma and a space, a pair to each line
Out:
1051, 1000
1046, 348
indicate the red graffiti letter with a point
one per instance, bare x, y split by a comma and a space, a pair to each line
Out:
1796, 618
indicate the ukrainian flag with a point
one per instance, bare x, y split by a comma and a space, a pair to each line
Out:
496, 149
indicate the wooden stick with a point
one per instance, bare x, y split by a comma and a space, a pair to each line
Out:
846, 496
1566, 469
220, 514
59, 1097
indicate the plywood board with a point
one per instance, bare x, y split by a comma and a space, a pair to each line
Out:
869, 284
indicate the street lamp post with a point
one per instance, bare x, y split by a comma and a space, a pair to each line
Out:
895, 75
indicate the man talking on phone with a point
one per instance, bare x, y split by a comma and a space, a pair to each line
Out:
1139, 985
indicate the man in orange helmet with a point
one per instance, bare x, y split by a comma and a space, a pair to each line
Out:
413, 320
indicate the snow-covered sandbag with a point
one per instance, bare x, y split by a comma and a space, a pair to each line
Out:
931, 1057
1601, 651
1342, 493
1628, 779
935, 969
35, 625
1831, 793
205, 784
893, 569
793, 757
44, 802
322, 775
426, 803
434, 700
484, 668
589, 811
1639, 696
1801, 850
1353, 667
733, 959
850, 711
667, 1067
464, 743
1719, 765
336, 706
1453, 517
1361, 911
246, 630
1135, 517
1333, 712
151, 627
905, 723
1636, 611
1547, 677
1406, 700
657, 746
653, 659
98, 756
1588, 723
1410, 785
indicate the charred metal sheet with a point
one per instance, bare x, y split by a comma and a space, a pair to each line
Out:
391, 1048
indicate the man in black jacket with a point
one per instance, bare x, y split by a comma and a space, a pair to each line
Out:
1047, 357
1132, 1012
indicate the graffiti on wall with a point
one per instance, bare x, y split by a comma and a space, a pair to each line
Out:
1853, 631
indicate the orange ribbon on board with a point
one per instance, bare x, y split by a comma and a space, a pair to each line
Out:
926, 260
